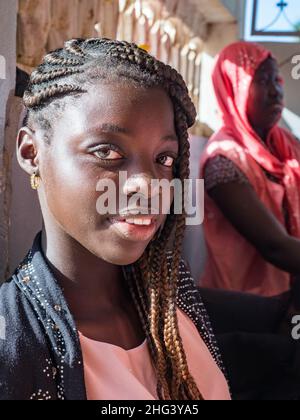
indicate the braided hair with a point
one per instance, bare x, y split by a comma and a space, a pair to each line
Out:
66, 74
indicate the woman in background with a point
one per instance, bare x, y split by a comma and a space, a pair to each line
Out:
252, 177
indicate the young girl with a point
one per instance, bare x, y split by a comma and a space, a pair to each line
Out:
100, 309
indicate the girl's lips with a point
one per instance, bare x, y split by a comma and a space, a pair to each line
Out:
134, 232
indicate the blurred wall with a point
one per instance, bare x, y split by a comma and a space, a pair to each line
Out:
7, 82
284, 52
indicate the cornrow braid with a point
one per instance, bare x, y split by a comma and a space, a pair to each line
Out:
39, 77
151, 281
32, 100
73, 47
55, 59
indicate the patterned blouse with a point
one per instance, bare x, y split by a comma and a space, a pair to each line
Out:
221, 170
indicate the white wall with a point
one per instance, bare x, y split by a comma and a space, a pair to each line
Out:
220, 35
292, 87
8, 53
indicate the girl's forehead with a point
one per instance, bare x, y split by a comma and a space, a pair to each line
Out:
120, 105
119, 96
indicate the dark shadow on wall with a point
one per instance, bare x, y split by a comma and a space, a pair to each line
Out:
25, 218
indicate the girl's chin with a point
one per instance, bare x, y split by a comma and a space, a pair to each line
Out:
123, 260
133, 233
121, 255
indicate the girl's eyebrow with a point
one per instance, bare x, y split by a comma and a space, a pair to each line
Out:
114, 128
171, 137
108, 128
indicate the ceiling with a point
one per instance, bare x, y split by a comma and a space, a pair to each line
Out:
212, 10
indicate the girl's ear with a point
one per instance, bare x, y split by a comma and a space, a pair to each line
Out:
27, 151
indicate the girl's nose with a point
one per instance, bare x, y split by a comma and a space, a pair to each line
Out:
139, 183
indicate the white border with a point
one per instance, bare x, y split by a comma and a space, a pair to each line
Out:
2, 68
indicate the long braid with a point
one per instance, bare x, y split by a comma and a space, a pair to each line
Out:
154, 317
140, 303
182, 125
152, 283
151, 267
183, 384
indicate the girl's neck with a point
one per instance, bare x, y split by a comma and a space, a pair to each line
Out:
96, 292
87, 281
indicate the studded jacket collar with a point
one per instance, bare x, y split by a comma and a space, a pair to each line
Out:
40, 353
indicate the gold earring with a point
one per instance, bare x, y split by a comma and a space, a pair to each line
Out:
34, 181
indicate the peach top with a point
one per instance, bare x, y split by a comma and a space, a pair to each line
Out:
112, 373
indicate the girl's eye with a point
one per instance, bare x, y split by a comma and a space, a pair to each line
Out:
107, 153
167, 161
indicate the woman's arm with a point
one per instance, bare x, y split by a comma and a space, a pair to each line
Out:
242, 207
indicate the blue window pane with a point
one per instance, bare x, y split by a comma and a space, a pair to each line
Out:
273, 18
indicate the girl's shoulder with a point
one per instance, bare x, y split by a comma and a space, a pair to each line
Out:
16, 315
11, 304
22, 344
14, 307
186, 282
12, 324
12, 343
186, 286
19, 321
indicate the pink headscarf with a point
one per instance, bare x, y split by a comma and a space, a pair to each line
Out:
232, 77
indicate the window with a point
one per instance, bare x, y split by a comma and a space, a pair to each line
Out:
272, 20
